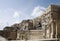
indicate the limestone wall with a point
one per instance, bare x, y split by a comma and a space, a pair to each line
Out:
35, 34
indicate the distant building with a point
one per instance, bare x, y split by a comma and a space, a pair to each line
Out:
51, 22
46, 26
9, 33
25, 26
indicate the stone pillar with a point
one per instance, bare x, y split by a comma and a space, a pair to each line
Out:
56, 30
18, 34
52, 30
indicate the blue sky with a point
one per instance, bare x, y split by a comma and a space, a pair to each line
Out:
14, 11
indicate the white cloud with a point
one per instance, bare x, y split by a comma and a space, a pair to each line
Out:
17, 21
2, 25
37, 11
16, 15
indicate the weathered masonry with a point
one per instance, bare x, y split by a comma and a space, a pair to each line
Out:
51, 22
46, 26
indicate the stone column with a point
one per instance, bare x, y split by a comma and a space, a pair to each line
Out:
52, 30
